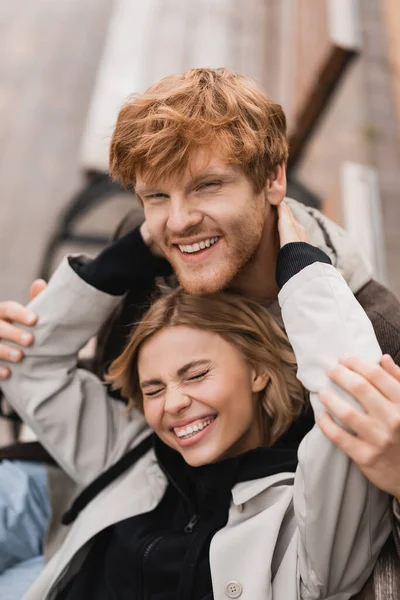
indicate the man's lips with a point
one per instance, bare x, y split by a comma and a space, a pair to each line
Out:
198, 255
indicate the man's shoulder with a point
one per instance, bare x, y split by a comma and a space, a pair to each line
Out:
383, 308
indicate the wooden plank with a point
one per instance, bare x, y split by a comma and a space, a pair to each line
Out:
328, 38
391, 15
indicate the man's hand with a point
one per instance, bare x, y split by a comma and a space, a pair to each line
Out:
289, 229
11, 313
375, 444
148, 240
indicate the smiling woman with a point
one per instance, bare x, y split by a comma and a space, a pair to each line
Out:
220, 360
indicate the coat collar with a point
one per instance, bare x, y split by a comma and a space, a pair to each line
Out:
247, 490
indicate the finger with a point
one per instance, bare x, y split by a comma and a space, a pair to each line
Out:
4, 373
388, 386
12, 311
299, 229
11, 333
359, 423
10, 354
354, 447
286, 228
388, 364
282, 223
289, 229
366, 394
37, 286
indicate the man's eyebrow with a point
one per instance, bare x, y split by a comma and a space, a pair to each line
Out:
142, 189
182, 371
206, 174
209, 174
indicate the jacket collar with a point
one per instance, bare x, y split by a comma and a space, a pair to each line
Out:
245, 491
335, 242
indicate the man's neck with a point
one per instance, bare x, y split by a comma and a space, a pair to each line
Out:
258, 277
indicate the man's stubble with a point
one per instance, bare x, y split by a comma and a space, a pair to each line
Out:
243, 243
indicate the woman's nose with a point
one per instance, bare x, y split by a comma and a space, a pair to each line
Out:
176, 401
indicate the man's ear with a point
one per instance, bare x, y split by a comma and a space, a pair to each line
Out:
259, 380
275, 186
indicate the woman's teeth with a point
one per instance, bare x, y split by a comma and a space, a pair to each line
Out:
192, 429
199, 246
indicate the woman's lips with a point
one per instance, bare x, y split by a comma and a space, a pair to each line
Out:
198, 436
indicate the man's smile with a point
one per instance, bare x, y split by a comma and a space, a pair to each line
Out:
196, 252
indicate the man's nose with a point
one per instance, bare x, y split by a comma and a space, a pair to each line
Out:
176, 401
182, 215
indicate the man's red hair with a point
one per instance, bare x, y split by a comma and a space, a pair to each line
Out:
217, 109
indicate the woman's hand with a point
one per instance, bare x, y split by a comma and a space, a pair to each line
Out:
375, 444
289, 229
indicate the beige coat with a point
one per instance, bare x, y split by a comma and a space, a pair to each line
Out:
320, 530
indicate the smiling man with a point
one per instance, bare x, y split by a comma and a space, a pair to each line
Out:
206, 153
214, 226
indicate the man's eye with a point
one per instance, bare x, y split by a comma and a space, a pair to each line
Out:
209, 185
157, 195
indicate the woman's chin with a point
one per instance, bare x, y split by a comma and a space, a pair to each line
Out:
206, 454
199, 458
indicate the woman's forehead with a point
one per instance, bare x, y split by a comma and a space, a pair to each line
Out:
173, 347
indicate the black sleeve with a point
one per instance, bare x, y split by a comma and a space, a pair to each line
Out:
294, 257
121, 266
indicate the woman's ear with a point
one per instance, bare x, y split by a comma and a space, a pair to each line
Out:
275, 186
259, 380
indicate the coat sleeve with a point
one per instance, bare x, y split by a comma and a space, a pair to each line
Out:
68, 408
343, 520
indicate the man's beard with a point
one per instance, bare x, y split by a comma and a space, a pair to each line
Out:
218, 279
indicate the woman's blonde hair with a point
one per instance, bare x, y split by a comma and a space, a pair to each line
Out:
157, 131
240, 321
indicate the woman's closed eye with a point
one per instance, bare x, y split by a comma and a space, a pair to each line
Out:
198, 376
150, 393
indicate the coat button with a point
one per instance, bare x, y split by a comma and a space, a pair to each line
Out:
233, 589
240, 507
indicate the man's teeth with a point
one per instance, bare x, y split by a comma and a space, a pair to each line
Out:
192, 429
199, 246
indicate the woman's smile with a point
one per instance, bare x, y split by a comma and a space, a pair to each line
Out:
195, 432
